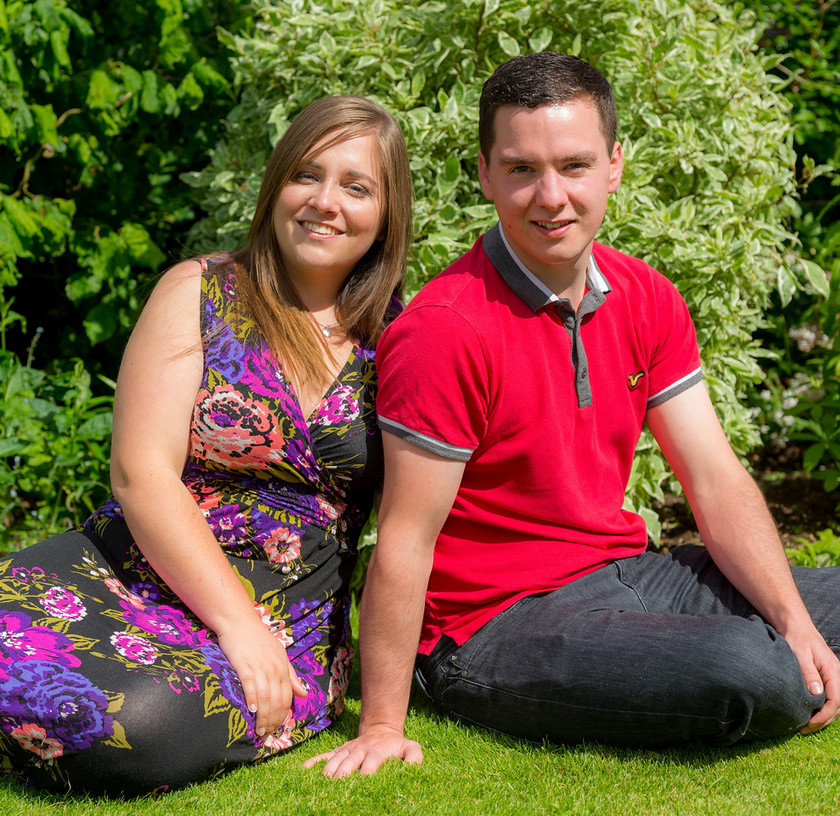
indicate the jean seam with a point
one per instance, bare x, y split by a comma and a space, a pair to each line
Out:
625, 582
512, 696
484, 633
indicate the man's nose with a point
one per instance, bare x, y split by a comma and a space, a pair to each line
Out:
551, 192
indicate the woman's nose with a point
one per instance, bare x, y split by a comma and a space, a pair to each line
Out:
325, 197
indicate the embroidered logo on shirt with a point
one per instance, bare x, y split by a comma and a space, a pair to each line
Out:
634, 379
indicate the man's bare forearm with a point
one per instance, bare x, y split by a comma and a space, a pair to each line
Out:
391, 618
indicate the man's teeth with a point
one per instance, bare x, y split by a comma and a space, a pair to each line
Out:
321, 229
552, 224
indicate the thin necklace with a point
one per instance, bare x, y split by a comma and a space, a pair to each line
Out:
327, 330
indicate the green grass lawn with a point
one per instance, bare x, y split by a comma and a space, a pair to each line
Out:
468, 771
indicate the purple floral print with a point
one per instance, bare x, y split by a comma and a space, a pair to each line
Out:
64, 703
167, 624
20, 641
98, 655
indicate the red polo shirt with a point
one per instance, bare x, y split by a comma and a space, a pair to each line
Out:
545, 406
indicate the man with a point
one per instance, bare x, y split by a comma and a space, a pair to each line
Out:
513, 390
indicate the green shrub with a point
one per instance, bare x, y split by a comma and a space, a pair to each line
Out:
824, 551
709, 183
801, 401
53, 446
101, 109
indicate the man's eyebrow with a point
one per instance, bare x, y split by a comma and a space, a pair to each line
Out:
513, 161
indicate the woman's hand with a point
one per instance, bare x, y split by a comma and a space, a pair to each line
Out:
268, 679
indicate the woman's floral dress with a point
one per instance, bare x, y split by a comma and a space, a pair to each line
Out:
108, 683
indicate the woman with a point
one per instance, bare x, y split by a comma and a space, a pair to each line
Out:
199, 620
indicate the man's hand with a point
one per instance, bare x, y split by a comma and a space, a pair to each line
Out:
417, 497
821, 671
366, 754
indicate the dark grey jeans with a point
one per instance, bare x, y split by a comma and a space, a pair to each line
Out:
650, 650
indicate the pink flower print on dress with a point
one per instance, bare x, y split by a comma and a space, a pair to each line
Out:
262, 375
282, 546
168, 624
281, 738
277, 627
133, 647
23, 574
120, 591
183, 680
64, 604
207, 502
340, 406
233, 430
33, 738
340, 679
331, 511
229, 288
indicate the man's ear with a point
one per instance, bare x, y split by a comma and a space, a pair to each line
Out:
616, 167
484, 177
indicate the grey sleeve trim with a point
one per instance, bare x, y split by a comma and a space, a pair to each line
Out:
426, 442
678, 387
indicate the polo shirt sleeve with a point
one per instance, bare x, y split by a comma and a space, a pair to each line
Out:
675, 362
433, 382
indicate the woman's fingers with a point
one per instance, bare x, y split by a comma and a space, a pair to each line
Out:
269, 682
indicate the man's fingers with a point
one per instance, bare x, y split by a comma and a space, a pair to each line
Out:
318, 758
814, 682
412, 753
824, 675
365, 758
819, 721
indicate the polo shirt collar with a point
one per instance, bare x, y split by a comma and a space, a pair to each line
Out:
524, 283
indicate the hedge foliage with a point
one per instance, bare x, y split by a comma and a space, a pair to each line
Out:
106, 114
709, 184
802, 401
101, 109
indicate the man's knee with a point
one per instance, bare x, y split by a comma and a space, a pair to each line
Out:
761, 689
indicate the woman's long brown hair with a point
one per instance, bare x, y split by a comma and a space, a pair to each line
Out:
265, 289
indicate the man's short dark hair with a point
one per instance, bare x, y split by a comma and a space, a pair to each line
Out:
545, 78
